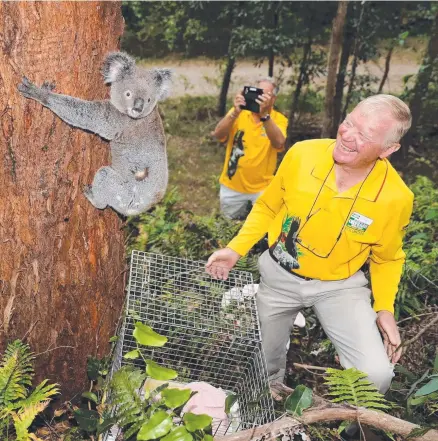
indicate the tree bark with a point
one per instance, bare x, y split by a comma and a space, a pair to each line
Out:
62, 261
335, 49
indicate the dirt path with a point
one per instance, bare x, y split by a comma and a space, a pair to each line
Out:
203, 77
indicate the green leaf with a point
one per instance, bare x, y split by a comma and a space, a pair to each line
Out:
93, 366
418, 431
90, 396
431, 213
435, 364
158, 372
207, 438
229, 401
195, 422
300, 399
175, 397
428, 388
106, 425
113, 339
417, 401
178, 434
158, 425
132, 355
146, 336
87, 419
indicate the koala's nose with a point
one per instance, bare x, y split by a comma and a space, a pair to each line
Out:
138, 104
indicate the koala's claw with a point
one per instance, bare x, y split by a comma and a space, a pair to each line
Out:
28, 89
48, 86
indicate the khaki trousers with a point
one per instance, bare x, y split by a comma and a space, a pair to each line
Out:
343, 308
234, 204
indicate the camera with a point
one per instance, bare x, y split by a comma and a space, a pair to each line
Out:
250, 94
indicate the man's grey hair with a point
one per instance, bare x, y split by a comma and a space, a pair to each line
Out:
272, 81
397, 109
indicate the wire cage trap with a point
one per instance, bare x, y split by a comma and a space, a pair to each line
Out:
212, 329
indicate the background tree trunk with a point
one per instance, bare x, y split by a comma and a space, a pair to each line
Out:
275, 8
347, 45
335, 49
387, 65
222, 105
297, 92
62, 260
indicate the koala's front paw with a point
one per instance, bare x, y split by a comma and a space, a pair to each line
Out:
30, 90
88, 193
48, 86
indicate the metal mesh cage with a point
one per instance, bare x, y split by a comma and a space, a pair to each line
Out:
212, 329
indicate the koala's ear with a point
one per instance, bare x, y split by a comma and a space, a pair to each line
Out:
117, 65
163, 80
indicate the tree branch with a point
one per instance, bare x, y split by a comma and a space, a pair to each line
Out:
421, 332
326, 411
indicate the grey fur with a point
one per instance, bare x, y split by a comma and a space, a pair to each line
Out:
138, 176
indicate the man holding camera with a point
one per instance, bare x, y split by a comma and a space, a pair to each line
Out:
254, 138
333, 206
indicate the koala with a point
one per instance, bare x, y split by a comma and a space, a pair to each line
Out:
137, 178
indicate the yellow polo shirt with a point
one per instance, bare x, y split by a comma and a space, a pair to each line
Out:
250, 159
315, 231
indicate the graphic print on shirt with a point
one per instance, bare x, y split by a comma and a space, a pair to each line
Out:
237, 152
285, 248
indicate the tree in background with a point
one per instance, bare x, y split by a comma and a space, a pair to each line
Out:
333, 61
62, 259
310, 23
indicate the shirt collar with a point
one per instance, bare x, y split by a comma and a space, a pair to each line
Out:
372, 186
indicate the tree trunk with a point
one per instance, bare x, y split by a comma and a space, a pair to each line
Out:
357, 45
422, 83
335, 49
62, 260
275, 16
222, 106
387, 64
300, 83
349, 36
350, 85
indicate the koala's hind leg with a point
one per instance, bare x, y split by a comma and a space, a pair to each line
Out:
109, 189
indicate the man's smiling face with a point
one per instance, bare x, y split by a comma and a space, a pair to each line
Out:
362, 138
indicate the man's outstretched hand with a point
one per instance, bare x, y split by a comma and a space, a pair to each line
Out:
391, 337
221, 262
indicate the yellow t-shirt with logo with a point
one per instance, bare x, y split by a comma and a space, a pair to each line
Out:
315, 231
250, 159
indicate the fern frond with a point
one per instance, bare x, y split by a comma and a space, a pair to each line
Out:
16, 372
351, 386
24, 418
41, 393
125, 386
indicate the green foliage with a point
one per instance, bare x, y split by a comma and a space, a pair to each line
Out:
419, 279
349, 386
140, 413
19, 405
299, 400
174, 232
